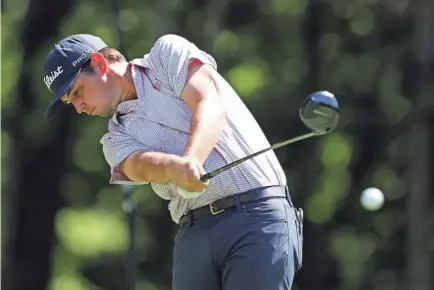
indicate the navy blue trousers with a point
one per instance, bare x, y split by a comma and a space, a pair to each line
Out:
256, 246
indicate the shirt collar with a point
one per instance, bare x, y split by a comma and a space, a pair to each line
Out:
142, 62
127, 107
124, 108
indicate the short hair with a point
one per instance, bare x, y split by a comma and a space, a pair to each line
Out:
110, 54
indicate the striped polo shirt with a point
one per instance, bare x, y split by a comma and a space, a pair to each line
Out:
158, 120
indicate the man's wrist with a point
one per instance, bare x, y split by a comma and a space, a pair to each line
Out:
194, 157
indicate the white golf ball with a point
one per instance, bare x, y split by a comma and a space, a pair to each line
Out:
372, 199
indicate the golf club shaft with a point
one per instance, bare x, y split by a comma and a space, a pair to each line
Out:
211, 174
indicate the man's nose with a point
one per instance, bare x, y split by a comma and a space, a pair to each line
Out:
79, 106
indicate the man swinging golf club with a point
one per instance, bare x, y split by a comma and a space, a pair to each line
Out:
172, 118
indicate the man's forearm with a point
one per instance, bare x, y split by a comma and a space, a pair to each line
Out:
207, 125
149, 166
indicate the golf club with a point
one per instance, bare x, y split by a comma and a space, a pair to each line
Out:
319, 112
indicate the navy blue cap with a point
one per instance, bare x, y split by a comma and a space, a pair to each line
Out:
64, 64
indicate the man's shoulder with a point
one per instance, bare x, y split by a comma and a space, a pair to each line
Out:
163, 43
169, 43
178, 49
171, 39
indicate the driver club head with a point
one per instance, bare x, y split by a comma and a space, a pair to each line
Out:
320, 112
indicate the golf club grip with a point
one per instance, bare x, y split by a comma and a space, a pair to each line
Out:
211, 174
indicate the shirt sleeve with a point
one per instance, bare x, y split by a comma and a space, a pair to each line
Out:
117, 146
170, 57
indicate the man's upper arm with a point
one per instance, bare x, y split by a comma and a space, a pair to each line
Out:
117, 147
171, 57
202, 82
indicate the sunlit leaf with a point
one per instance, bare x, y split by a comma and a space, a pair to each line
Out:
288, 6
336, 150
128, 19
75, 189
392, 185
330, 43
87, 152
322, 205
68, 283
90, 233
247, 79
294, 70
226, 43
363, 22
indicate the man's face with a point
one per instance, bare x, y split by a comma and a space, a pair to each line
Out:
95, 94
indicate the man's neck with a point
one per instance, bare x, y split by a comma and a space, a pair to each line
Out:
130, 90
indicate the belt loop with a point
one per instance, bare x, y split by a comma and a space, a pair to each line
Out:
189, 219
288, 197
237, 202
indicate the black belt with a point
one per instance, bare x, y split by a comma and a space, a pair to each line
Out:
223, 204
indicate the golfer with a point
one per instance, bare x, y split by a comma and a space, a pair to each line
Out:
172, 118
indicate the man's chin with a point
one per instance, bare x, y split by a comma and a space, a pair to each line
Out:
106, 114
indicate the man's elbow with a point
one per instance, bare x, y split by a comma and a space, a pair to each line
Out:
131, 168
147, 166
221, 113
216, 106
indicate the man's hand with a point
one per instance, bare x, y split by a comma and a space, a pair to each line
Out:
185, 173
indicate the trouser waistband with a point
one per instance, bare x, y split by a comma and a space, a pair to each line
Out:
228, 202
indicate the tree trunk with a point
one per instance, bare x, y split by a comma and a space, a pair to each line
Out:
418, 203
36, 168
419, 171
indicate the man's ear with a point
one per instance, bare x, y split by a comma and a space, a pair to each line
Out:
99, 63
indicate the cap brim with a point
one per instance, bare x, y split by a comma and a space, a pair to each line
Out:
54, 105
